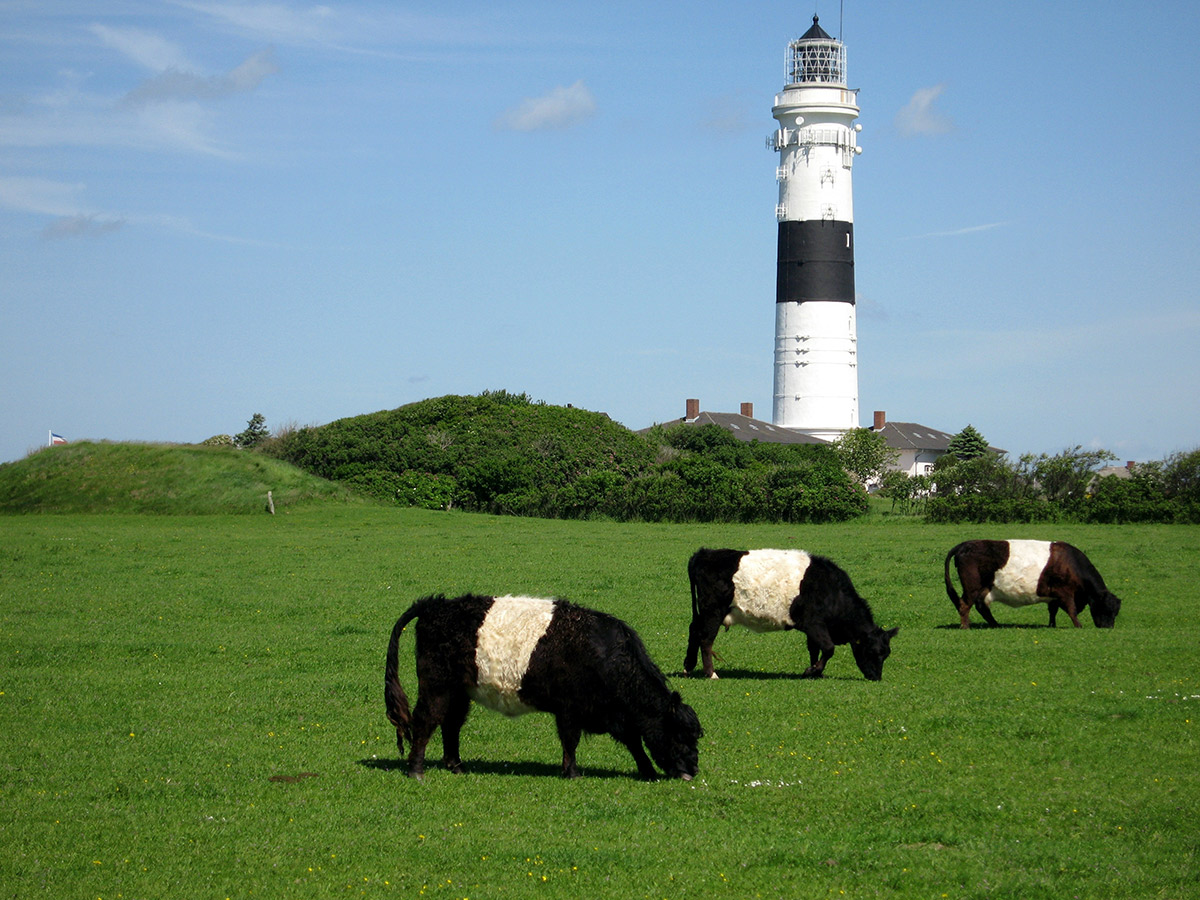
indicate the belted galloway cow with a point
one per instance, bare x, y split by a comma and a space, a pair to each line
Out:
523, 654
1020, 573
780, 590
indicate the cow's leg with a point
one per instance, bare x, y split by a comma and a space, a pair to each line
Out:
633, 742
457, 707
1068, 603
820, 649
427, 716
1055, 606
707, 657
702, 633
985, 610
973, 593
568, 735
693, 648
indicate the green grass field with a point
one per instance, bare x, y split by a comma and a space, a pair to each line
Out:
192, 707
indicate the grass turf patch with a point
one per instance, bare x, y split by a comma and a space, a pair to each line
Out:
193, 706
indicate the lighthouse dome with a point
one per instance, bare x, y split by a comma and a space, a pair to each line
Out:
816, 57
816, 32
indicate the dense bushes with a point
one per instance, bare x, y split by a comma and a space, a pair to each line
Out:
503, 453
1064, 487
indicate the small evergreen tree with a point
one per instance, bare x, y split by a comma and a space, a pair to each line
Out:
255, 433
968, 444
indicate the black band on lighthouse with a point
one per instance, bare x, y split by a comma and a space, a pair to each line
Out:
816, 261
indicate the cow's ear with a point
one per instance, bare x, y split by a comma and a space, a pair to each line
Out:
893, 632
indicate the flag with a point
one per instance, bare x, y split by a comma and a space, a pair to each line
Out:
56, 439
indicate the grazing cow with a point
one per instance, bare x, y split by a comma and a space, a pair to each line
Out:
778, 590
1018, 573
523, 654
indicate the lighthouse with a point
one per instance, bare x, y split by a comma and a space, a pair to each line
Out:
816, 343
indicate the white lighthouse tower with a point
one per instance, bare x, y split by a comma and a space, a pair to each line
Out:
816, 343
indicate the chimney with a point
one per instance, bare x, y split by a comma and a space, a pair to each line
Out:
693, 409
748, 410
880, 420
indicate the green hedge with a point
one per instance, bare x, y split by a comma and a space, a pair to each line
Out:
504, 453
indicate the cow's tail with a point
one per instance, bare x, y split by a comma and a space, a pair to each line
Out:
394, 698
692, 582
950, 591
693, 647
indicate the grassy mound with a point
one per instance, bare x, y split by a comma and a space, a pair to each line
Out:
155, 478
497, 452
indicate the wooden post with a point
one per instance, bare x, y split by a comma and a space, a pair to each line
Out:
270, 504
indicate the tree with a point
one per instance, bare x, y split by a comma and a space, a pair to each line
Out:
865, 454
909, 492
1181, 476
968, 444
256, 432
1067, 475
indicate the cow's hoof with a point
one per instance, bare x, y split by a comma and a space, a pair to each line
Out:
713, 676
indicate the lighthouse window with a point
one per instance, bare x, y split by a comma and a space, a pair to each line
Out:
816, 60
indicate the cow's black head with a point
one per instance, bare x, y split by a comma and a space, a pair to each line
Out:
871, 649
675, 746
1105, 608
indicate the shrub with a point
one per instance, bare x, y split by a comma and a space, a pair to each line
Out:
1181, 477
865, 454
982, 508
256, 432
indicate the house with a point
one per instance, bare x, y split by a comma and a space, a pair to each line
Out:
920, 446
742, 426
1125, 471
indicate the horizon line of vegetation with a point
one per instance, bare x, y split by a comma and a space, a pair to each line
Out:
504, 453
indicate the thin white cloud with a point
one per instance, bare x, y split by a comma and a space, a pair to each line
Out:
382, 30
166, 126
40, 196
177, 84
183, 225
177, 125
80, 226
143, 47
955, 232
167, 112
61, 200
559, 109
275, 21
919, 116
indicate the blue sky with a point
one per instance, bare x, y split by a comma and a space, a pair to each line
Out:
212, 208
